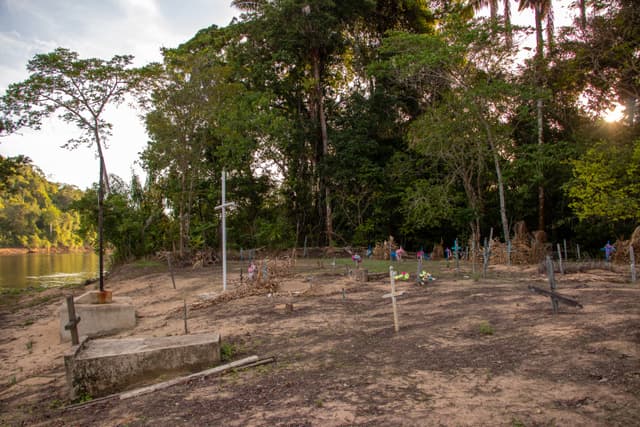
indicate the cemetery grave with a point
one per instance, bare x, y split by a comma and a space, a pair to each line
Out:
468, 350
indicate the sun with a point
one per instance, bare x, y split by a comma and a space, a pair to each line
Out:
613, 115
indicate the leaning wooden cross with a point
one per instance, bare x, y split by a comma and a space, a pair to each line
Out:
393, 296
555, 297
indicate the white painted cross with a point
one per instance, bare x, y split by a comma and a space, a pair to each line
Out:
223, 207
393, 296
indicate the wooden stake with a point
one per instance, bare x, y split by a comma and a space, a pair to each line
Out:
186, 329
552, 284
565, 249
473, 256
560, 259
578, 250
173, 279
396, 325
632, 259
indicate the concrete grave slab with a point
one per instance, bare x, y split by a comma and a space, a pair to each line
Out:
96, 318
105, 366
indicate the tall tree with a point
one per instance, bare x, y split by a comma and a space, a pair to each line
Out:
79, 90
459, 69
541, 9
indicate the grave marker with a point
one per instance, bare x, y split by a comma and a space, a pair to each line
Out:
393, 295
456, 252
72, 326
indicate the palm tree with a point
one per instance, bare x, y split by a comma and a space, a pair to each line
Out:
541, 9
493, 14
582, 5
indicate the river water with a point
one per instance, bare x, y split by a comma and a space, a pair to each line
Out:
24, 270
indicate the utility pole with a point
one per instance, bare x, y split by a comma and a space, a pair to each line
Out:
223, 207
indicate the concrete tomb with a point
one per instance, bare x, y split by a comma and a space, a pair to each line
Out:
104, 366
100, 314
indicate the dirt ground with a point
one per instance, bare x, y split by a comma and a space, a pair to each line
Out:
482, 352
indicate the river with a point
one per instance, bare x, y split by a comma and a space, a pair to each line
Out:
39, 269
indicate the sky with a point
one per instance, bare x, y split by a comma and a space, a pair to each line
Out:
97, 29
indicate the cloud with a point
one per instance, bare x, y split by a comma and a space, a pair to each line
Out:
93, 28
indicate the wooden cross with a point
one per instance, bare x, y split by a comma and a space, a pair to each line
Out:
393, 296
72, 326
456, 251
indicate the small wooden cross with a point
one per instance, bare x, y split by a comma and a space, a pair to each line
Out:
393, 296
72, 326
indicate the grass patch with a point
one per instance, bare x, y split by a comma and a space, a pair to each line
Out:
485, 328
227, 351
145, 263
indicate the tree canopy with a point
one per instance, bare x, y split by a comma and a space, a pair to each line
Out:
345, 122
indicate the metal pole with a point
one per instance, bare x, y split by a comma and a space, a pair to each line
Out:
101, 226
224, 233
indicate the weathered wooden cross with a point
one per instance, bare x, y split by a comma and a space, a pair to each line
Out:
393, 296
556, 298
72, 326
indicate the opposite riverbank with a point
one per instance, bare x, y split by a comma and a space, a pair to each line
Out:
21, 251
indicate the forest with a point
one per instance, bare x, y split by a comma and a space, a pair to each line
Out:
342, 123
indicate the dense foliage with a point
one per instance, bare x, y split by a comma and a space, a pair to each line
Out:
344, 122
34, 212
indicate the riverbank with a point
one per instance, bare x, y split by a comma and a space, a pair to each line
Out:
22, 251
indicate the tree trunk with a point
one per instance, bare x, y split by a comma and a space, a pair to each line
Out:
539, 107
101, 184
325, 146
507, 23
181, 214
496, 161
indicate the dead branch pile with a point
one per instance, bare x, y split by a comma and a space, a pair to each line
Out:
526, 248
195, 259
621, 254
382, 251
267, 275
438, 251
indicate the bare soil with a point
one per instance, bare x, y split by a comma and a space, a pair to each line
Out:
469, 352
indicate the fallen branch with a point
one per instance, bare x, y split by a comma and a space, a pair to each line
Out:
218, 370
555, 295
247, 362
